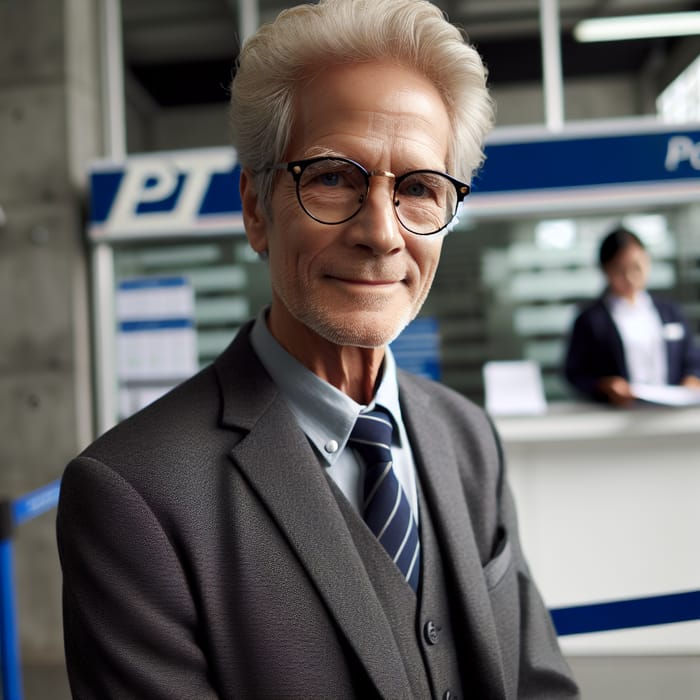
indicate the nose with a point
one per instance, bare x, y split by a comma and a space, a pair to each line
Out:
376, 227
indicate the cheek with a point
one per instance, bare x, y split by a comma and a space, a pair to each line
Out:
297, 243
287, 240
287, 204
285, 218
426, 255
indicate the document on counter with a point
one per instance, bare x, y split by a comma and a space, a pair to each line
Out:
514, 388
667, 395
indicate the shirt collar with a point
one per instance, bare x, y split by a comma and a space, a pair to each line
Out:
324, 413
615, 303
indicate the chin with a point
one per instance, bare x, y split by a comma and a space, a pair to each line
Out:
362, 332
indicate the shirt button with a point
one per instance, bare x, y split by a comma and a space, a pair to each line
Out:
331, 446
431, 632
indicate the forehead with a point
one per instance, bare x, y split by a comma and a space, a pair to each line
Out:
376, 110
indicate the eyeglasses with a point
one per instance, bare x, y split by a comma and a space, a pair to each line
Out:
333, 190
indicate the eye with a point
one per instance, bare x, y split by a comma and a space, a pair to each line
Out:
422, 186
331, 174
415, 189
330, 179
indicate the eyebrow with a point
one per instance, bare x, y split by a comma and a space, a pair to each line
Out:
321, 152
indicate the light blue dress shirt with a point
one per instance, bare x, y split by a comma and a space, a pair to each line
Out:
642, 333
327, 416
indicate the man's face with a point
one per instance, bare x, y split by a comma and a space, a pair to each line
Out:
357, 283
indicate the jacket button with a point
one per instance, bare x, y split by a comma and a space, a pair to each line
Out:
431, 632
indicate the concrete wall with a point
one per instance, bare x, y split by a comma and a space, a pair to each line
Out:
615, 96
49, 115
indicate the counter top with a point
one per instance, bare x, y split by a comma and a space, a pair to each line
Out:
585, 421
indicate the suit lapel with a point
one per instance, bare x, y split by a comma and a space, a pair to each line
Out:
279, 464
444, 492
612, 336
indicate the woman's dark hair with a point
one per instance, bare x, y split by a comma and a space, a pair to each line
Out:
617, 240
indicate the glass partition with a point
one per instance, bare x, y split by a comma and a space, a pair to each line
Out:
505, 289
509, 289
228, 280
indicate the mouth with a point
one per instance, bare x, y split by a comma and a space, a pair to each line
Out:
371, 276
374, 283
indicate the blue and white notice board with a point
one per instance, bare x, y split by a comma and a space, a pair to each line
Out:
156, 338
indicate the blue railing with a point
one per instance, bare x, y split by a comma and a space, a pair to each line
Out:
13, 514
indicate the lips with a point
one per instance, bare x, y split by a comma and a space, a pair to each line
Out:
375, 278
369, 283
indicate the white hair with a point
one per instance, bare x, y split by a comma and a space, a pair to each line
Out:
306, 38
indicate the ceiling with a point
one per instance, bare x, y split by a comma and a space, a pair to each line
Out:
182, 52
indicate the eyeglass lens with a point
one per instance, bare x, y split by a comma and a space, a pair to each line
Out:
333, 191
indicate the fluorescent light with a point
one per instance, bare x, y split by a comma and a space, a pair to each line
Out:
638, 26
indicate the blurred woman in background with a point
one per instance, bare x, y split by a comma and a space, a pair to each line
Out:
627, 336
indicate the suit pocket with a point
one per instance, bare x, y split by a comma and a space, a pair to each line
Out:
502, 582
497, 568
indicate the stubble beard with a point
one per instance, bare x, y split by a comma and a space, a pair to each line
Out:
332, 325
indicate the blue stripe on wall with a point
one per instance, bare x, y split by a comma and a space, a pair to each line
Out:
623, 614
155, 325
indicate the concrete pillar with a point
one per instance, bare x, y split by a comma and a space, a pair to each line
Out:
49, 130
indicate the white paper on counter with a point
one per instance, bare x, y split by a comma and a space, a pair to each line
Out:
667, 395
514, 388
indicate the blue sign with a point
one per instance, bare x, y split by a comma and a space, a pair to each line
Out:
191, 192
562, 163
166, 194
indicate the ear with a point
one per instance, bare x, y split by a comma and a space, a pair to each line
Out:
254, 218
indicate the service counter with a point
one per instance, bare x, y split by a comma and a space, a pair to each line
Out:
609, 508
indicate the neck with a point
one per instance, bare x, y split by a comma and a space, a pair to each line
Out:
353, 370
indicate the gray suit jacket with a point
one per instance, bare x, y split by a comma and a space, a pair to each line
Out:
205, 555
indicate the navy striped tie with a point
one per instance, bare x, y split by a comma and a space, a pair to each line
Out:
386, 509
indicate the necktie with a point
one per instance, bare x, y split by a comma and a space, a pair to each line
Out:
386, 508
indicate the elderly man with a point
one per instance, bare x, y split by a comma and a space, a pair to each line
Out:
301, 519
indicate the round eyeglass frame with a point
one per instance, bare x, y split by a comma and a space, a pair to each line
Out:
296, 169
